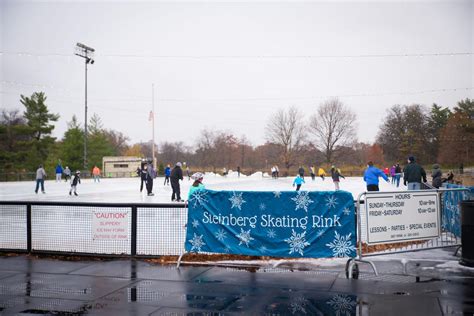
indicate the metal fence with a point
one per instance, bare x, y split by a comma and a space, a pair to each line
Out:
446, 238
153, 230
64, 227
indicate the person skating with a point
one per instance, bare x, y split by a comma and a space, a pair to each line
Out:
336, 175
141, 172
273, 172
238, 171
67, 173
449, 178
312, 172
371, 177
150, 175
96, 174
392, 174
59, 172
398, 174
198, 177
436, 174
75, 181
301, 172
167, 175
321, 173
299, 180
176, 175
188, 172
413, 174
40, 176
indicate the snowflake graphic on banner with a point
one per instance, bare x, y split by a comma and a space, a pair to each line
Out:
331, 201
262, 207
319, 233
271, 233
342, 304
227, 249
244, 237
221, 235
341, 245
298, 304
297, 242
237, 200
198, 198
347, 211
277, 194
195, 223
302, 200
262, 249
196, 242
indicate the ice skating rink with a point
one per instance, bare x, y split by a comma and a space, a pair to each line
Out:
128, 189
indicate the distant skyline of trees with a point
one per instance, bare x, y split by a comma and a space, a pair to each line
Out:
328, 136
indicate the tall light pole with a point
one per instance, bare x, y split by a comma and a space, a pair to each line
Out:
153, 124
87, 53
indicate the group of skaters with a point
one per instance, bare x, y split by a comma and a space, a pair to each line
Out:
74, 179
413, 175
147, 173
336, 176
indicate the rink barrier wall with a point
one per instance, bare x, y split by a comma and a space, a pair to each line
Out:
40, 227
64, 228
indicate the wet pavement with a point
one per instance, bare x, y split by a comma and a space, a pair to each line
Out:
33, 286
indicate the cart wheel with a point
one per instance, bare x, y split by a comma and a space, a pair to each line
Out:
355, 271
347, 268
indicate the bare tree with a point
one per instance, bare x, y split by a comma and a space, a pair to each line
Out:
286, 129
333, 126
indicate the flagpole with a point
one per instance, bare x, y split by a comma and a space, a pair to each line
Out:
153, 123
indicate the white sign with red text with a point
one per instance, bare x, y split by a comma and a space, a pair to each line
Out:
110, 225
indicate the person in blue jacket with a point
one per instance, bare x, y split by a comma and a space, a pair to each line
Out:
299, 180
167, 175
371, 177
59, 172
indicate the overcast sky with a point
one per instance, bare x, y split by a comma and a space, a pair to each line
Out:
230, 65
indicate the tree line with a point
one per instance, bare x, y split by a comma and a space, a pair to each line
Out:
432, 134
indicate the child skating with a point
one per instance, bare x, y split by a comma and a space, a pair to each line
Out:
299, 180
75, 181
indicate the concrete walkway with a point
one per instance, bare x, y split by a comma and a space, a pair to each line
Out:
32, 286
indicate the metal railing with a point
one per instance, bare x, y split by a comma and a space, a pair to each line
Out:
65, 227
446, 238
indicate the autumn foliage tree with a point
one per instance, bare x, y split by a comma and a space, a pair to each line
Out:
457, 138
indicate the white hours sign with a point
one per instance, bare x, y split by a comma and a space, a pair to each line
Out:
401, 216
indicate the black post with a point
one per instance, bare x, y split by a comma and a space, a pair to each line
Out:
85, 120
28, 228
134, 231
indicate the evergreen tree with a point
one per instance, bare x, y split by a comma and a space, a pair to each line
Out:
39, 128
72, 146
98, 143
13, 134
438, 119
161, 169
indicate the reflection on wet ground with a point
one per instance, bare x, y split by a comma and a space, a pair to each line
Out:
32, 286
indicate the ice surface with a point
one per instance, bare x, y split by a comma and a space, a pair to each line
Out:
128, 189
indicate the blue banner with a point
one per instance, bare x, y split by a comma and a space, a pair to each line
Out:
451, 217
278, 224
